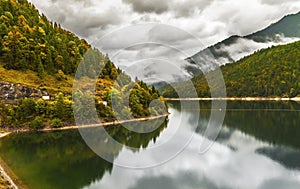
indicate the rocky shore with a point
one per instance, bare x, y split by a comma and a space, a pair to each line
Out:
4, 183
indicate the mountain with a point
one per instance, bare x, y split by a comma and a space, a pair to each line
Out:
284, 31
270, 72
287, 26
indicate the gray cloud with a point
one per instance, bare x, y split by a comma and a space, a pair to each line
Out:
187, 8
210, 20
149, 6
84, 3
91, 24
167, 34
278, 183
274, 2
181, 8
80, 16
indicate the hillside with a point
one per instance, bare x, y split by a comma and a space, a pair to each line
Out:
286, 30
40, 54
271, 72
29, 41
35, 51
37, 54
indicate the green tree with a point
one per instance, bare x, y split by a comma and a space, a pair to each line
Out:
37, 123
60, 107
25, 110
56, 123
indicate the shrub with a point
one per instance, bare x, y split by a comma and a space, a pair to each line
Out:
56, 123
37, 123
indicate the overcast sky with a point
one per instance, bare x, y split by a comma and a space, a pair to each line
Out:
210, 21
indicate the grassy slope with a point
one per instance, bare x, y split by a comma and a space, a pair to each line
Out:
30, 79
50, 82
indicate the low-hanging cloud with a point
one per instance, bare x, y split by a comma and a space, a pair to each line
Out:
244, 47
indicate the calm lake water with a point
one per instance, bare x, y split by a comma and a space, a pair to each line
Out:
258, 147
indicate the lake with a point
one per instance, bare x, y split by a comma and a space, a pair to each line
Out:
258, 147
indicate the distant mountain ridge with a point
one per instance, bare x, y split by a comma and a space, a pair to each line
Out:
270, 72
288, 26
232, 49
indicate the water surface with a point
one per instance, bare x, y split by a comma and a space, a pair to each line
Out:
257, 148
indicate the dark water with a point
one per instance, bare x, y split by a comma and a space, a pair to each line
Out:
257, 147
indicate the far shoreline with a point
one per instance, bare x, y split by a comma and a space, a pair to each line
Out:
297, 99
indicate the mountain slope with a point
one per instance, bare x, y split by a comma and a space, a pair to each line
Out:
267, 73
37, 53
34, 51
234, 48
29, 41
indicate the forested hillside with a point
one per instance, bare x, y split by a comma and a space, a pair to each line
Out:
271, 72
29, 41
38, 53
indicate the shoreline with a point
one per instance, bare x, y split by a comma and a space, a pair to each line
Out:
104, 124
3, 172
72, 127
4, 134
297, 99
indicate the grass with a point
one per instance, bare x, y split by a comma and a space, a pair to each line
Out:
30, 79
50, 82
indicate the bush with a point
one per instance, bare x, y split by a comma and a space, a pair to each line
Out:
56, 123
37, 123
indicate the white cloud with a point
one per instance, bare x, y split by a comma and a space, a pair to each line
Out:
211, 21
148, 6
206, 22
244, 47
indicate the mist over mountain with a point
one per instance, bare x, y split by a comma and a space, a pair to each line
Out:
269, 72
234, 48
